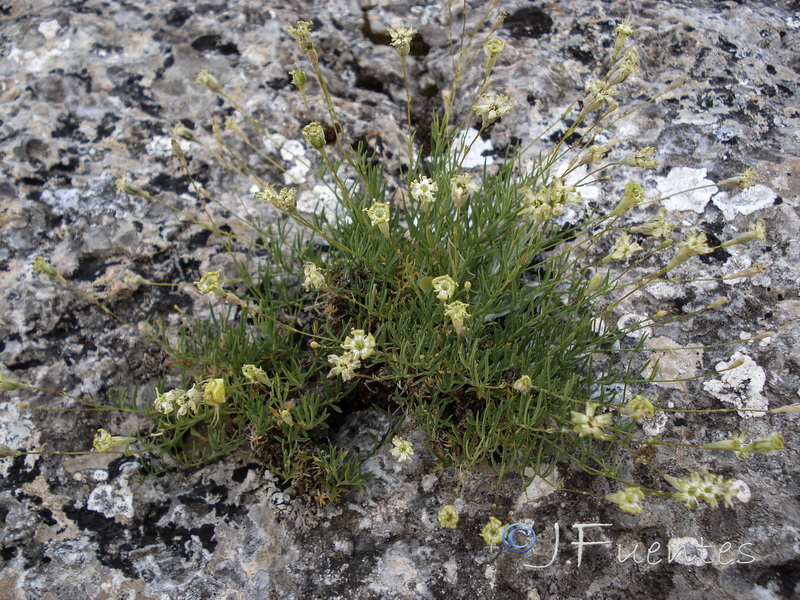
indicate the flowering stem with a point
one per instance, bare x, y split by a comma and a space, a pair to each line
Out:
410, 140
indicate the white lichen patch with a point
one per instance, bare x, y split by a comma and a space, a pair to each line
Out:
114, 499
743, 491
632, 324
475, 157
741, 386
662, 290
294, 153
48, 29
17, 431
744, 202
672, 187
655, 426
320, 200
536, 490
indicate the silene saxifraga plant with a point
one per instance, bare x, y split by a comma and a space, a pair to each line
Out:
475, 305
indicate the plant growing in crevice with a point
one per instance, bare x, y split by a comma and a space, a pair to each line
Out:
474, 303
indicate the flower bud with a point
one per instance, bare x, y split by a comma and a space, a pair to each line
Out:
298, 77
770, 444
8, 385
6, 452
314, 135
203, 78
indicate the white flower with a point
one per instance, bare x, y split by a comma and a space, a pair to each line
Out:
403, 449
586, 424
344, 365
360, 344
623, 249
401, 38
314, 280
166, 402
424, 190
461, 186
523, 385
491, 107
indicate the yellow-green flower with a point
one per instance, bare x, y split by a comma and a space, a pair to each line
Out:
379, 215
214, 392
214, 396
494, 47
638, 408
104, 441
623, 249
770, 444
448, 517
41, 265
457, 311
631, 196
740, 180
492, 532
444, 286
203, 78
314, 134
256, 375
302, 35
10, 384
7, 452
209, 282
644, 159
629, 500
657, 227
757, 231
694, 244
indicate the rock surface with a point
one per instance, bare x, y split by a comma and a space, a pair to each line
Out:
91, 89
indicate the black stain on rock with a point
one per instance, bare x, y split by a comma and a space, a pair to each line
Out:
583, 56
530, 21
214, 43
116, 542
178, 16
418, 48
135, 95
